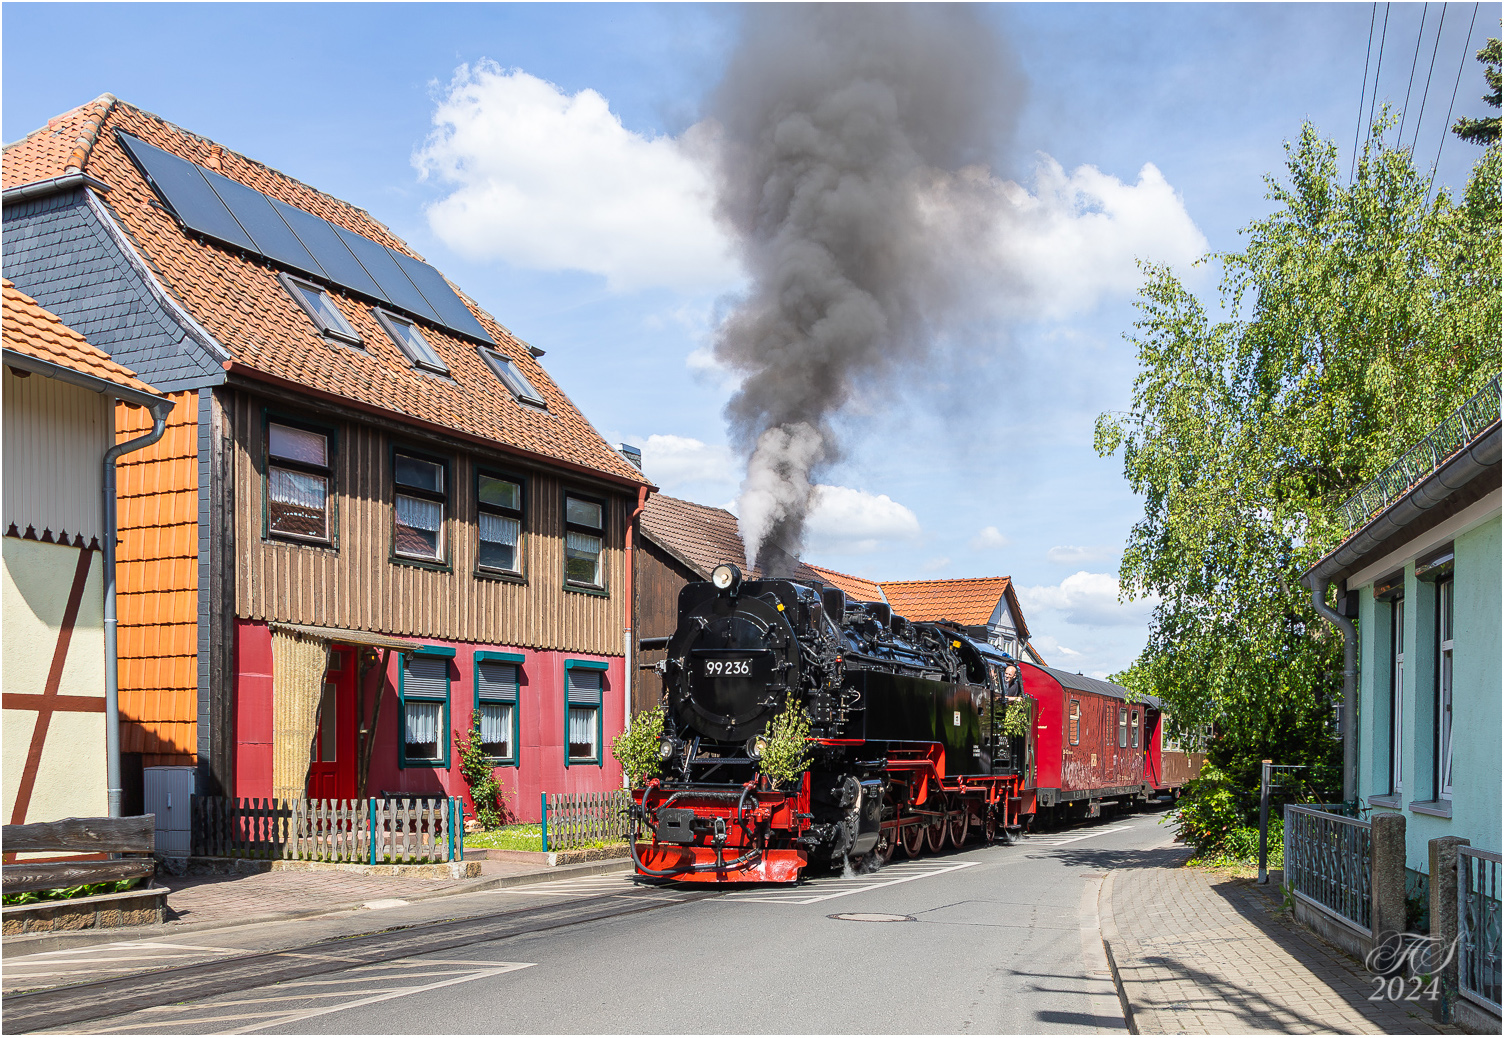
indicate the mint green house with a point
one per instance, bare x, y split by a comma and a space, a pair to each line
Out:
1418, 582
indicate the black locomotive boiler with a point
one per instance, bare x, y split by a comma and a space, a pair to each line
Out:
910, 743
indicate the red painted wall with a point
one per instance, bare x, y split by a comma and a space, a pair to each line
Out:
541, 755
253, 709
1096, 761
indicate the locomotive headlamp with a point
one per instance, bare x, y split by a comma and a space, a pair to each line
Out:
665, 749
756, 745
726, 577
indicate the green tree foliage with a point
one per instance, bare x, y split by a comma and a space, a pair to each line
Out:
1356, 318
479, 773
1485, 131
636, 749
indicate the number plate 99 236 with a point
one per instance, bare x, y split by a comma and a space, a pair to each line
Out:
726, 668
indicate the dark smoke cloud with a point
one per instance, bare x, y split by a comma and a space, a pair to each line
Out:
847, 133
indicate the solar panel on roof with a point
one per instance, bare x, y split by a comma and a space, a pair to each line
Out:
253, 210
329, 250
229, 211
380, 265
452, 311
183, 187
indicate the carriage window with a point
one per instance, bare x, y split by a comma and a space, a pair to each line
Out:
1123, 727
1134, 729
1074, 726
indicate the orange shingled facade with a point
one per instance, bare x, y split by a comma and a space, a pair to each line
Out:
157, 586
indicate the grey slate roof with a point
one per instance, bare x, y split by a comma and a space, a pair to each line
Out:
58, 251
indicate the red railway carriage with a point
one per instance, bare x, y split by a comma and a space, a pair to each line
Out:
1096, 742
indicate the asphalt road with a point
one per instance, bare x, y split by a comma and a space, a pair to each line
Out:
1000, 939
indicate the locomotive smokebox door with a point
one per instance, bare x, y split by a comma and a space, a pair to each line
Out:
675, 825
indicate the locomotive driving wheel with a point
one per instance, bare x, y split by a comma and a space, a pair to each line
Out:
989, 825
935, 832
883, 851
912, 839
956, 825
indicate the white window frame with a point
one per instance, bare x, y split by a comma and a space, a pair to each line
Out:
1397, 694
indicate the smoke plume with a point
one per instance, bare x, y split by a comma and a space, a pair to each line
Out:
850, 138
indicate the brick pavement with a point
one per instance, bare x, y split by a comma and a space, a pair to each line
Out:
1203, 953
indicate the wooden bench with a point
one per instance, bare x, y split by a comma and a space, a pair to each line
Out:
136, 835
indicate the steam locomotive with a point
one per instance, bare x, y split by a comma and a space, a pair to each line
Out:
918, 735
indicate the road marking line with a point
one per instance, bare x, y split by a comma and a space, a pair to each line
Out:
1084, 836
292, 1018
806, 899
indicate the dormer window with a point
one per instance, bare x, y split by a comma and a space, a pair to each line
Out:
411, 342
512, 377
320, 307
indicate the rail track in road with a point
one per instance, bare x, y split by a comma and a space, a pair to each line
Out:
26, 1012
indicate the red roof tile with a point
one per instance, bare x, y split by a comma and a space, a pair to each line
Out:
239, 300
701, 537
969, 602
860, 588
37, 332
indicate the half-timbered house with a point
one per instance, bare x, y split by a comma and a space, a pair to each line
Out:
374, 515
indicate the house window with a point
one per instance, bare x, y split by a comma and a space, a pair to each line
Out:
1074, 723
320, 307
511, 376
583, 684
423, 688
410, 341
1397, 690
1134, 729
499, 502
584, 523
418, 501
297, 483
1445, 689
1123, 726
498, 679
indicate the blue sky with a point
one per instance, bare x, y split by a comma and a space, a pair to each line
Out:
1144, 131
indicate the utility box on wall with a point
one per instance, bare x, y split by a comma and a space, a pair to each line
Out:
168, 794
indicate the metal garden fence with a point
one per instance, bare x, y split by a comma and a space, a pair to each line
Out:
572, 821
1477, 413
1479, 925
384, 830
1328, 862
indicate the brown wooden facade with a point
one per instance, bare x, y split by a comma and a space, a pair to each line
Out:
357, 583
657, 579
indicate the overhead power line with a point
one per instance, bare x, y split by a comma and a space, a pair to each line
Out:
1426, 90
1379, 63
1400, 131
1448, 119
1363, 90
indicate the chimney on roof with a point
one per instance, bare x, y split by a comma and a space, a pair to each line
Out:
632, 454
215, 152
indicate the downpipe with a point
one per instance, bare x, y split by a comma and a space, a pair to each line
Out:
1350, 672
160, 411
628, 656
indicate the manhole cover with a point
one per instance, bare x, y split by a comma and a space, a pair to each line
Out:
871, 917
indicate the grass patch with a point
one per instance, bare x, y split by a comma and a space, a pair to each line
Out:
520, 837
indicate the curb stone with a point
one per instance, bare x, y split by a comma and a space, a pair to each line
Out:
35, 944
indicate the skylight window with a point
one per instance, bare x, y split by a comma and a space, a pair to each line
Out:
320, 307
411, 342
512, 377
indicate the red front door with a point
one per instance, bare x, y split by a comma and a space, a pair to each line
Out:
331, 774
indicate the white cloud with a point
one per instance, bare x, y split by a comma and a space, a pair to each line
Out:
847, 521
988, 539
674, 462
938, 563
1075, 554
1053, 651
1070, 241
550, 181
1089, 599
